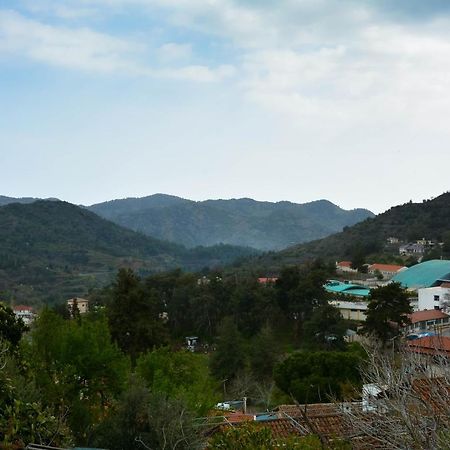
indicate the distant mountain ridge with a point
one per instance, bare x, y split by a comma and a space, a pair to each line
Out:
241, 222
408, 222
50, 250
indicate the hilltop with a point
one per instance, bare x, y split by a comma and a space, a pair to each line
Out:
53, 249
407, 222
242, 222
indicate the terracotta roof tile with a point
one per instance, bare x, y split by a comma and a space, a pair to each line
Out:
431, 345
427, 314
394, 268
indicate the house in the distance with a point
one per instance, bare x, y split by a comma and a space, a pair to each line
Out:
81, 303
25, 313
267, 280
387, 270
428, 320
351, 310
412, 249
345, 266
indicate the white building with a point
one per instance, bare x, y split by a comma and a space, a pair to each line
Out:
25, 313
435, 297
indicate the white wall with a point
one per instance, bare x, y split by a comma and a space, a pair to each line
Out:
427, 297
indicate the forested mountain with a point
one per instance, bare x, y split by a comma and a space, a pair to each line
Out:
53, 249
408, 222
243, 222
7, 200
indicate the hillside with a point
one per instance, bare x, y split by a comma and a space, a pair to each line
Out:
408, 222
242, 222
51, 250
8, 200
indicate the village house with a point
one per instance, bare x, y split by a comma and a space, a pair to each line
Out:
345, 266
267, 280
428, 320
412, 249
25, 313
387, 270
81, 303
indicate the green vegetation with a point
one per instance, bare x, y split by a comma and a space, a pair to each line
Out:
243, 222
251, 436
314, 377
366, 241
51, 251
387, 311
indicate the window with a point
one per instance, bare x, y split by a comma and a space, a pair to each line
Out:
436, 298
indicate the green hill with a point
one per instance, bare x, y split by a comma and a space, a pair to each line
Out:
50, 250
408, 222
242, 222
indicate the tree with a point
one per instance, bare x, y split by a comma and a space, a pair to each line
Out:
312, 377
77, 367
326, 328
264, 354
254, 436
181, 376
135, 315
11, 328
300, 291
146, 420
387, 311
229, 357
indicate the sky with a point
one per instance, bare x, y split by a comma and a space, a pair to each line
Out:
347, 100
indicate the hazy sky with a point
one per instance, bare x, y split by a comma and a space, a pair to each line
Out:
296, 100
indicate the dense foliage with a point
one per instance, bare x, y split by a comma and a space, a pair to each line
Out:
118, 377
52, 249
387, 311
367, 240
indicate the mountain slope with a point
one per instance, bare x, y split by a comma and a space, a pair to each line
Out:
50, 249
242, 222
8, 200
411, 221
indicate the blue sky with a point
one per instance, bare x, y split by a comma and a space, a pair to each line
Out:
290, 100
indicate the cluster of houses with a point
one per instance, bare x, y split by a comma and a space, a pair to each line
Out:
28, 315
428, 284
417, 248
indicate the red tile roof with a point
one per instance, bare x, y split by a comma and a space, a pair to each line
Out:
386, 267
22, 308
427, 314
236, 417
267, 280
431, 345
445, 285
344, 264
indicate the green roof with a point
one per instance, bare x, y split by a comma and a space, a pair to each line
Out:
425, 274
337, 287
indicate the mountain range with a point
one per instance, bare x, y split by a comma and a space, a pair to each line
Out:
52, 250
429, 219
242, 222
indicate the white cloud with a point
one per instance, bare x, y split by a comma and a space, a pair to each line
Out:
173, 52
87, 50
80, 48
